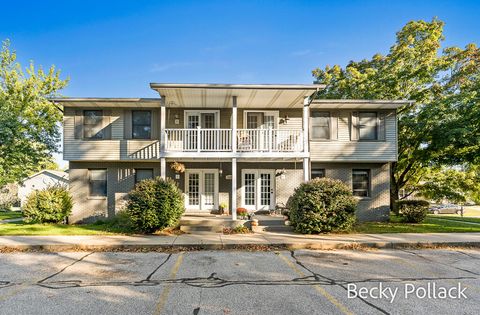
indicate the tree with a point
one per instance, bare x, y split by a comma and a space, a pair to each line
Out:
441, 125
453, 184
29, 122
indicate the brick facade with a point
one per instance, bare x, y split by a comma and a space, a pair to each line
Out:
121, 179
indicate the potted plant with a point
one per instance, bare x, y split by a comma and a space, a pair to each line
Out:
178, 167
223, 208
242, 213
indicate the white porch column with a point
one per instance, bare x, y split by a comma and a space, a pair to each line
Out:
163, 120
234, 124
234, 189
163, 168
306, 136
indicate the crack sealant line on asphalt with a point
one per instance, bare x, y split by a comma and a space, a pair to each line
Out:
64, 268
162, 301
333, 282
317, 287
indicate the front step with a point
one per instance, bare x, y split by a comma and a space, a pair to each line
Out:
191, 224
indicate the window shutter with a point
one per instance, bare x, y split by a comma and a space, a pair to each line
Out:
354, 126
127, 124
381, 126
107, 127
78, 130
334, 126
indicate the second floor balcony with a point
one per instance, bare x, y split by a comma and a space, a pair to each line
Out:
220, 140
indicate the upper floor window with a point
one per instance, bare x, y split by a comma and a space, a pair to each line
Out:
143, 173
97, 182
318, 173
361, 182
367, 126
141, 124
320, 122
93, 124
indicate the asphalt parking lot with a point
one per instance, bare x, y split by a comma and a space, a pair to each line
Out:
240, 282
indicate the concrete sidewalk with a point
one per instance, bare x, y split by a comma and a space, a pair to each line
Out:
245, 241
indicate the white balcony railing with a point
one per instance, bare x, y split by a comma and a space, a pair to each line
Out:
269, 140
200, 140
220, 140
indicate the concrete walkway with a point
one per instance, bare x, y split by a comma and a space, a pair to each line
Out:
245, 241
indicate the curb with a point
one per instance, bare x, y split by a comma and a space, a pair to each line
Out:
215, 246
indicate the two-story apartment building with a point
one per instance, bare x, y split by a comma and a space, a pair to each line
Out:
242, 145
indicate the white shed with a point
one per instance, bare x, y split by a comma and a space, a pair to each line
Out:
41, 180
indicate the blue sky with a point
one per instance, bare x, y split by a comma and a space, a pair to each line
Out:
115, 48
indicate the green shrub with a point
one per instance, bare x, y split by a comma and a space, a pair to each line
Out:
51, 205
412, 211
155, 204
322, 205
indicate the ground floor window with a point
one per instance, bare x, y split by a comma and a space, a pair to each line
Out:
143, 173
361, 182
318, 173
97, 182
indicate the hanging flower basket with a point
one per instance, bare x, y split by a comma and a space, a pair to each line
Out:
178, 167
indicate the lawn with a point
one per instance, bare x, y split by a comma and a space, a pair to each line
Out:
455, 218
430, 225
10, 215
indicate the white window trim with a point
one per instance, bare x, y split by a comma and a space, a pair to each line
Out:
200, 112
257, 191
202, 171
274, 113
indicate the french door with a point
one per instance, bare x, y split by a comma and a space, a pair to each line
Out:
204, 120
262, 140
201, 190
258, 189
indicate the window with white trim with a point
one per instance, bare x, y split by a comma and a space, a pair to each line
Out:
320, 125
361, 182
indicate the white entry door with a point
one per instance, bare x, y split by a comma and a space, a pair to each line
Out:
258, 189
201, 190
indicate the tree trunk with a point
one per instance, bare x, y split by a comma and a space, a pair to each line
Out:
394, 188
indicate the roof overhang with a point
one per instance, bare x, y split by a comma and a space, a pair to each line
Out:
359, 104
248, 95
95, 102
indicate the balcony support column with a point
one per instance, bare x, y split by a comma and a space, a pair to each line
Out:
234, 124
306, 129
233, 202
163, 120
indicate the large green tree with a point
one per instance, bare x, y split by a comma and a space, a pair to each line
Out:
29, 122
441, 126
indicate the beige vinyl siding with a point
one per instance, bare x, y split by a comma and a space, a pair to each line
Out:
114, 149
344, 149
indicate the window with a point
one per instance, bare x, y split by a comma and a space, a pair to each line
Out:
141, 174
141, 124
367, 126
93, 124
361, 183
320, 125
97, 182
318, 173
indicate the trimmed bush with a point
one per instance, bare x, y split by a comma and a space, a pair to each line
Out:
322, 205
155, 204
50, 205
412, 211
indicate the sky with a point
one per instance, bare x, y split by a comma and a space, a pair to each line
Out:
116, 48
